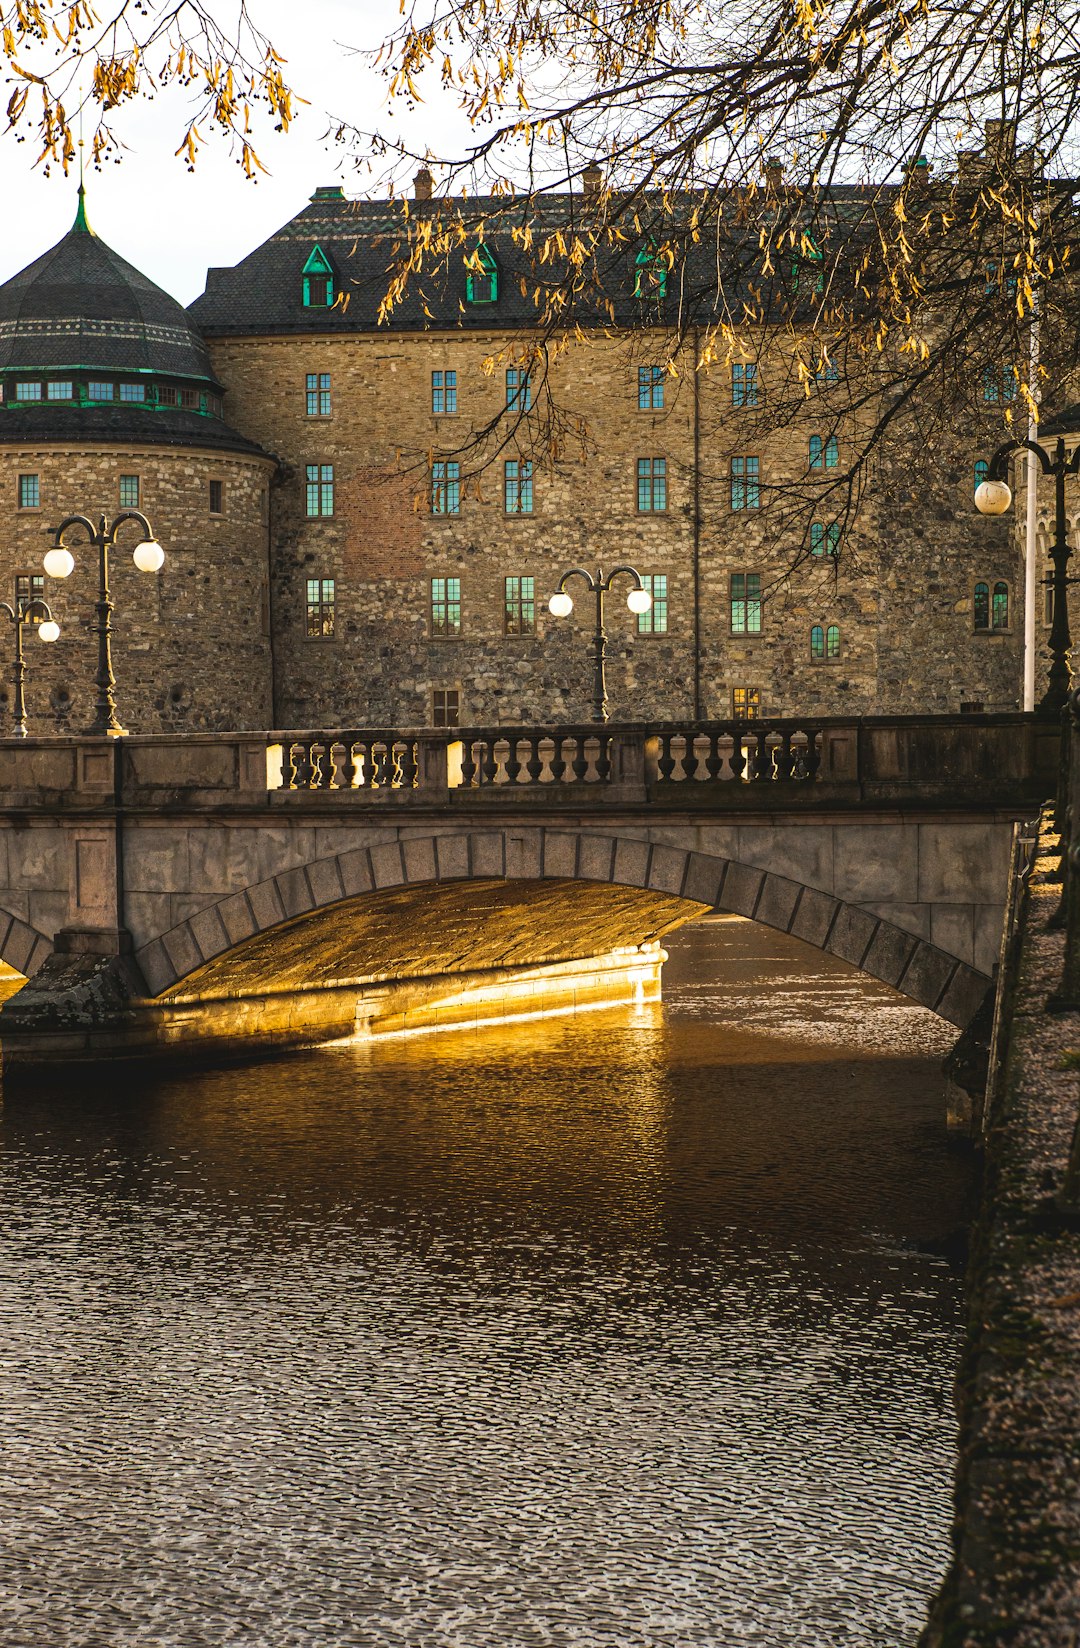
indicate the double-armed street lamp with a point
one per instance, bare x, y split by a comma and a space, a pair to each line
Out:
561, 606
59, 563
36, 612
993, 497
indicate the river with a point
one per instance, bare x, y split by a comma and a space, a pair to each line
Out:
635, 1328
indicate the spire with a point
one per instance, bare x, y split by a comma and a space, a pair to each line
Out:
80, 225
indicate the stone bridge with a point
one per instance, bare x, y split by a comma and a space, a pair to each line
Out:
239, 890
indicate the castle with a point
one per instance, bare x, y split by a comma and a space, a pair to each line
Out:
337, 556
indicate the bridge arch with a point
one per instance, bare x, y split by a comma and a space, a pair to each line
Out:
368, 913
22, 946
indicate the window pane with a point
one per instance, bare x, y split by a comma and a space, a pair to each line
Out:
445, 707
61, 390
982, 606
832, 641
29, 586
216, 497
652, 484
745, 492
129, 492
98, 390
445, 488
29, 492
744, 383
446, 606
650, 388
817, 643
746, 703
133, 391
1001, 606
982, 471
655, 621
320, 489
517, 486
28, 391
317, 389
518, 389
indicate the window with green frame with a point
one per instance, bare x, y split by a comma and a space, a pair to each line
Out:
650, 388
27, 391
318, 273
482, 279
29, 492
319, 489
129, 492
445, 487
519, 606
824, 643
825, 538
446, 606
824, 453
518, 486
744, 383
61, 389
746, 603
98, 390
991, 607
654, 622
650, 273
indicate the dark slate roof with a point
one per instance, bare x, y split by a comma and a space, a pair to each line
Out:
264, 292
82, 425
81, 304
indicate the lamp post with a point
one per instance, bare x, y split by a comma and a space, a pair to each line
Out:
561, 606
993, 497
59, 563
48, 630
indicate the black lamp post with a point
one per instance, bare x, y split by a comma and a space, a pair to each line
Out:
993, 497
59, 563
48, 630
561, 606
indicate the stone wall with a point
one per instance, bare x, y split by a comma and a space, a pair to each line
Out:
191, 645
901, 593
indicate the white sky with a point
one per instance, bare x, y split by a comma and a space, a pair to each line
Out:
172, 223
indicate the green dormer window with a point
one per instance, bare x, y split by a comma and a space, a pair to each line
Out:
98, 390
812, 277
650, 273
27, 391
318, 280
482, 280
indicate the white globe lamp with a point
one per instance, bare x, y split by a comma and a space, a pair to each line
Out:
49, 630
992, 497
149, 556
560, 604
639, 600
59, 562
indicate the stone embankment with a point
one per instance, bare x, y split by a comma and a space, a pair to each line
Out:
1014, 1581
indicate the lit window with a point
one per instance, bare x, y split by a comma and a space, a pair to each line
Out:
445, 488
825, 538
650, 273
520, 606
133, 391
29, 586
650, 388
744, 384
320, 608
517, 486
61, 389
482, 280
518, 388
318, 275
28, 391
129, 492
318, 394
652, 485
320, 489
824, 454
29, 492
98, 390
1000, 607
746, 603
746, 703
443, 393
446, 606
445, 707
217, 498
654, 622
998, 384
745, 483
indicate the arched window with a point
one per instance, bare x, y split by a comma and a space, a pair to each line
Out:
825, 538
982, 472
1000, 607
832, 641
824, 454
650, 273
482, 280
817, 644
319, 290
982, 606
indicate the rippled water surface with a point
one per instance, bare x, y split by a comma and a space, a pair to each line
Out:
625, 1330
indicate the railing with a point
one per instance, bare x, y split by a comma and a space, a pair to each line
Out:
477, 758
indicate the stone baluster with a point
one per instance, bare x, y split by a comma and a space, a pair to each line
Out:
603, 757
580, 764
714, 761
666, 763
784, 759
689, 760
558, 763
408, 765
489, 762
468, 765
534, 766
513, 765
299, 767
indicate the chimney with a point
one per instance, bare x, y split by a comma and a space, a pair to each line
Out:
774, 174
592, 180
423, 184
999, 140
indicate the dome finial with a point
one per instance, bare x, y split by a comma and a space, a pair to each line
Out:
81, 225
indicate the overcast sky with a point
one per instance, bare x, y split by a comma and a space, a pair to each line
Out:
172, 223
